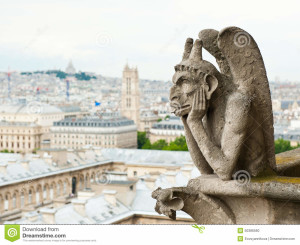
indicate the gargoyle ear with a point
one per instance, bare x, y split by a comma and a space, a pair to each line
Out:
212, 83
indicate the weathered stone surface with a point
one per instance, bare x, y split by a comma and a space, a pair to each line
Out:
228, 124
288, 163
227, 115
210, 200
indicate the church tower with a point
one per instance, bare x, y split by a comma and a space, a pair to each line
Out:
131, 94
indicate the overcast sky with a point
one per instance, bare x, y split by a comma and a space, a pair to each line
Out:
100, 36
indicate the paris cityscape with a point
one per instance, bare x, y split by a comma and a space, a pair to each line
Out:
69, 143
87, 132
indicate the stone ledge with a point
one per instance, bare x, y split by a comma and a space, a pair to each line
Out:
275, 187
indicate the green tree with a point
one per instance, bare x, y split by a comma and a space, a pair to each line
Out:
179, 144
142, 138
159, 145
282, 145
147, 145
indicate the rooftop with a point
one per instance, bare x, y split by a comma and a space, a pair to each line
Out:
94, 121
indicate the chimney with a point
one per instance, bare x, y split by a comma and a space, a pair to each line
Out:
84, 195
110, 196
25, 164
31, 216
79, 206
155, 174
59, 202
186, 171
188, 165
171, 177
3, 168
35, 157
150, 183
48, 215
48, 159
12, 161
97, 150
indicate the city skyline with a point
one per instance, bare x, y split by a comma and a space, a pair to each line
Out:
101, 37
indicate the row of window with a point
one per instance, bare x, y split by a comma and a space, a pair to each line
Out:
109, 137
12, 137
37, 196
18, 131
86, 143
18, 145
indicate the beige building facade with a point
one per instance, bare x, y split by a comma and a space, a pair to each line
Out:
106, 133
87, 184
24, 127
20, 137
167, 130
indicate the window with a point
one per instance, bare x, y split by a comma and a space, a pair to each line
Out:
29, 197
6, 203
14, 201
22, 200
65, 187
44, 193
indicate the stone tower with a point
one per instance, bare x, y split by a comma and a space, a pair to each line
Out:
131, 94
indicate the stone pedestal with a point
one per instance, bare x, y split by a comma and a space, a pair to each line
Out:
209, 200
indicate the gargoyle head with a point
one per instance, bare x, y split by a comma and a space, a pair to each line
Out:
191, 74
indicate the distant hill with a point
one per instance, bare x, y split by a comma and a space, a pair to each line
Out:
62, 75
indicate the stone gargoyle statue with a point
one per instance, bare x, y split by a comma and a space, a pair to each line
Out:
227, 117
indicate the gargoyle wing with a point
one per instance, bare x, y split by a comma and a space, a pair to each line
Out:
239, 58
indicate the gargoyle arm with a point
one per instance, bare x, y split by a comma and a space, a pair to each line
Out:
195, 152
223, 159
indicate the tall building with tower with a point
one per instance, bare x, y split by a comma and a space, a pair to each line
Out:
131, 94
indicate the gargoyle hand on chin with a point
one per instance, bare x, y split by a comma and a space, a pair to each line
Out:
199, 107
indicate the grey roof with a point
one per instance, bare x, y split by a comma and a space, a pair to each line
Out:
15, 171
17, 124
94, 122
100, 211
148, 157
172, 124
70, 108
33, 107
